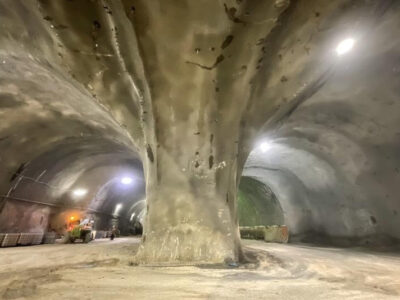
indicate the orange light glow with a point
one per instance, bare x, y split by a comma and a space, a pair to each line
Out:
72, 218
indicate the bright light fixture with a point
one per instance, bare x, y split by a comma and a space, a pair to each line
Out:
345, 46
79, 192
126, 180
265, 146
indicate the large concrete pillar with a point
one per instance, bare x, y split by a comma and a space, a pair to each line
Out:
199, 59
191, 212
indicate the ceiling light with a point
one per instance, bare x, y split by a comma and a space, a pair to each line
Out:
79, 192
126, 180
265, 146
345, 46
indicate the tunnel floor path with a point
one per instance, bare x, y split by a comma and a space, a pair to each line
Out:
103, 270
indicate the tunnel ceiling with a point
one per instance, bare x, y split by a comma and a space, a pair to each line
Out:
334, 161
195, 86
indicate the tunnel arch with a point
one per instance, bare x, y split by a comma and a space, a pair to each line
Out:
43, 187
333, 160
257, 204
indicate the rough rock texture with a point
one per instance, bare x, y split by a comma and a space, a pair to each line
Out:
333, 163
187, 85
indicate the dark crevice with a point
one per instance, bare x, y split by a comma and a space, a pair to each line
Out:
219, 59
231, 13
150, 154
228, 40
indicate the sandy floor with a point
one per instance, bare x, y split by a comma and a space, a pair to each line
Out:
101, 270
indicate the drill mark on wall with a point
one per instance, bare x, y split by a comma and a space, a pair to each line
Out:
219, 59
18, 172
150, 154
231, 13
211, 143
211, 161
228, 40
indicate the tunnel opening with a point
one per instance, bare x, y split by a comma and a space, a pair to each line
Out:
260, 214
75, 180
258, 204
320, 206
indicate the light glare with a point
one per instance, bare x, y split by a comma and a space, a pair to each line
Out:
126, 180
265, 146
345, 46
117, 208
79, 192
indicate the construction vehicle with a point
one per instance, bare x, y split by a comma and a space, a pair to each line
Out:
79, 230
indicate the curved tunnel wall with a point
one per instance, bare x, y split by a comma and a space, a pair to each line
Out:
41, 196
334, 161
55, 135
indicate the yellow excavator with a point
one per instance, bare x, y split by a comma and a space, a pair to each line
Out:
78, 229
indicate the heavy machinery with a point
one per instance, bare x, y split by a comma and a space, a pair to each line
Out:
79, 230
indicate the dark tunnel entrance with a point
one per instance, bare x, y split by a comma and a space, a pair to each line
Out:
257, 204
260, 214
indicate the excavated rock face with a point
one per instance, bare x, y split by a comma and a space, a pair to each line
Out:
186, 84
333, 162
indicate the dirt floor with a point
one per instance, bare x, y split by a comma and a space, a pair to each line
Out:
102, 270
